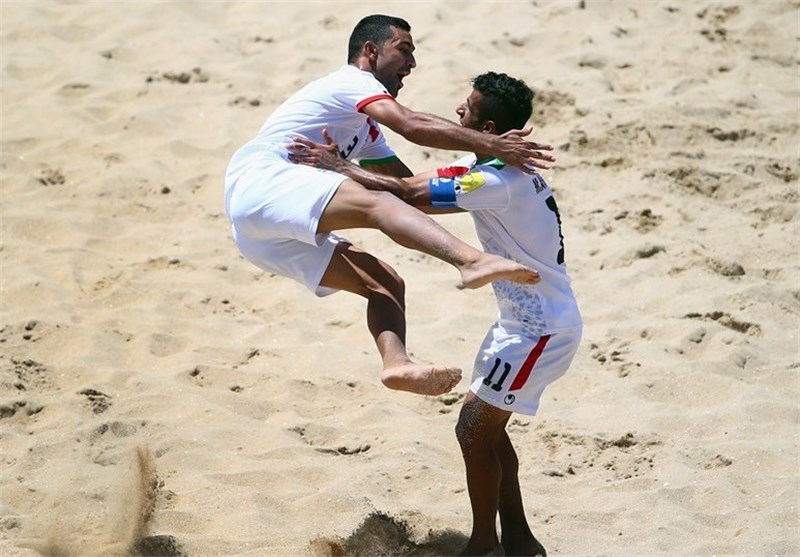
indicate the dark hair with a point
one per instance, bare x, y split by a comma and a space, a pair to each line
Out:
507, 101
375, 28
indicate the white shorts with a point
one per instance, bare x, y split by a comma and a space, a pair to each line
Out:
512, 371
274, 210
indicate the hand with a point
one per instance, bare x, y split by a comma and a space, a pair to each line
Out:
525, 155
310, 153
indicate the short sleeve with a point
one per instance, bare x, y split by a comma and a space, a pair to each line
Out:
376, 150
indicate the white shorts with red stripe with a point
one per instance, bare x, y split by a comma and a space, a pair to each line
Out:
512, 371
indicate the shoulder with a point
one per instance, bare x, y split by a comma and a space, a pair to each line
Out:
351, 74
496, 168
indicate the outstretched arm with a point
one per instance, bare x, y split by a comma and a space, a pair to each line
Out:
413, 190
432, 131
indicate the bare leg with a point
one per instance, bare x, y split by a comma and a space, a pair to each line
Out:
353, 206
356, 271
516, 538
492, 481
475, 431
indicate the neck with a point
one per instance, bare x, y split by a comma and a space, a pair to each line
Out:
362, 64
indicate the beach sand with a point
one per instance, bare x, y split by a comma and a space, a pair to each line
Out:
159, 391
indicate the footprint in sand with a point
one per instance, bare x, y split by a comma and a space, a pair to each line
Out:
25, 375
612, 354
701, 459
109, 430
32, 331
197, 75
783, 171
245, 102
730, 135
726, 320
693, 179
21, 407
628, 456
725, 268
329, 439
51, 177
449, 401
645, 220
98, 401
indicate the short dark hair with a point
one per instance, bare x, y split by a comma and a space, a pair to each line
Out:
375, 28
507, 101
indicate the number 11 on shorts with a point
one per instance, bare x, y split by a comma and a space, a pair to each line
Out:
506, 369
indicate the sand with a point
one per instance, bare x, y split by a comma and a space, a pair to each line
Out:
158, 391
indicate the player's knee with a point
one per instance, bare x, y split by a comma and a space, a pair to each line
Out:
384, 199
387, 281
382, 204
396, 284
462, 434
466, 431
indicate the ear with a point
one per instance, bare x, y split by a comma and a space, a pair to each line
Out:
489, 127
370, 50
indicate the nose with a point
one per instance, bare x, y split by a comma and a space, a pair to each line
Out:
412, 63
460, 110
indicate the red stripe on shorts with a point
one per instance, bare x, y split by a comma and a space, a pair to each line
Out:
530, 361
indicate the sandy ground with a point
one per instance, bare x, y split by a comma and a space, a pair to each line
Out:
157, 390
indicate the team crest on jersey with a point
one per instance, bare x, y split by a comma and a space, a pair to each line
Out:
470, 182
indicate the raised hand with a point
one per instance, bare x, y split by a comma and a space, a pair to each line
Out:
525, 155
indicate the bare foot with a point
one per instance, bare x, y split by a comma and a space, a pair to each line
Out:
490, 267
530, 547
421, 379
498, 551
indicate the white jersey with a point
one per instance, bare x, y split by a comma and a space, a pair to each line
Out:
516, 217
333, 102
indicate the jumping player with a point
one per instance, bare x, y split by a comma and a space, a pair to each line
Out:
539, 327
283, 216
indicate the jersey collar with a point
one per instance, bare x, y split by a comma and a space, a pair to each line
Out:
491, 161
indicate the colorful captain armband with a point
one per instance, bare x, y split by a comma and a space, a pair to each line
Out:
451, 182
443, 192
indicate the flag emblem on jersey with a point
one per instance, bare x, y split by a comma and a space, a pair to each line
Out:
373, 130
470, 182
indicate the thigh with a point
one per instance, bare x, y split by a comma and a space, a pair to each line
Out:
354, 206
482, 417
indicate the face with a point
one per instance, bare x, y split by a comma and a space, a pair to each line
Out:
468, 112
395, 60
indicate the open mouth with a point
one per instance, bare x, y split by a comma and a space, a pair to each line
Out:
401, 77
